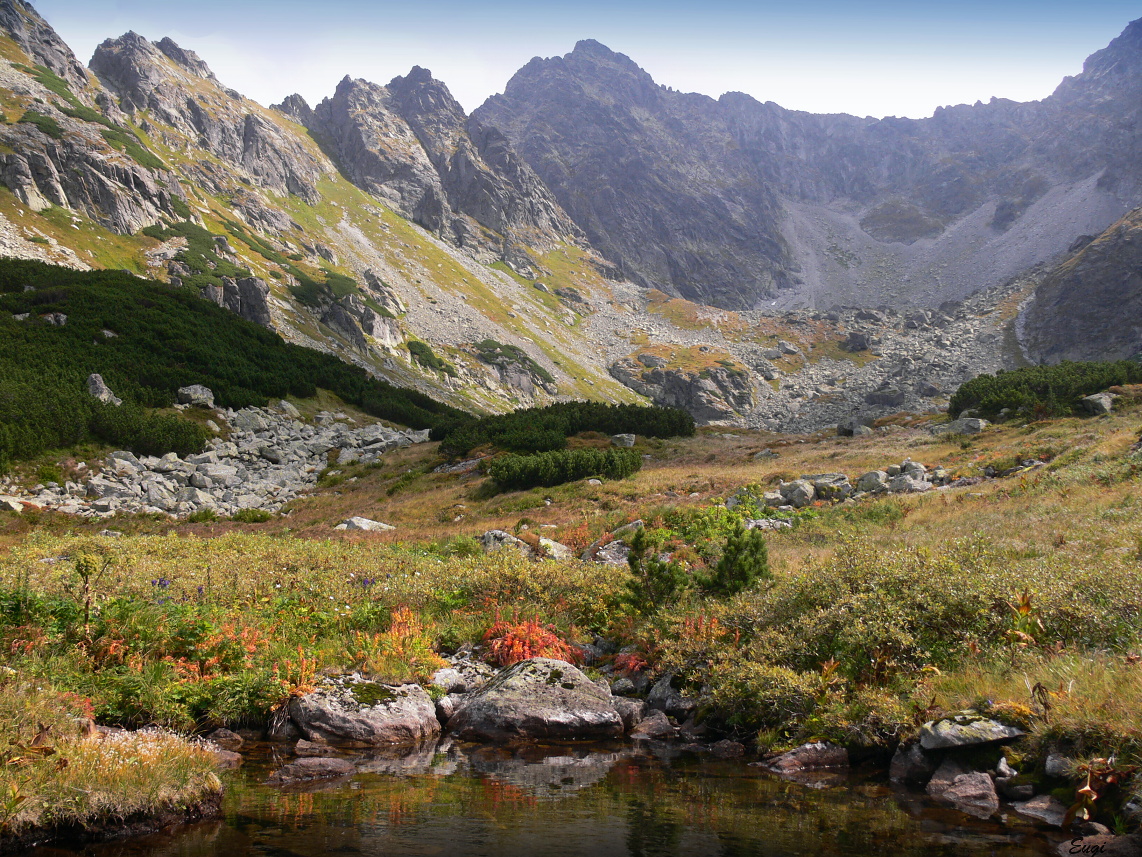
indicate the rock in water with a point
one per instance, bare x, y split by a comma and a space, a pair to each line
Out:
351, 709
307, 769
965, 730
810, 757
540, 699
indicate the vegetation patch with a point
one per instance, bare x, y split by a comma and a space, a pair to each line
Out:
547, 428
200, 255
423, 354
1042, 391
518, 472
164, 339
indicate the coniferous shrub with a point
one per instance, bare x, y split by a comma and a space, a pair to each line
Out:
1042, 391
518, 472
654, 583
744, 561
147, 340
547, 428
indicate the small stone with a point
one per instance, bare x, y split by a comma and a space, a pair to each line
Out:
654, 725
1057, 766
311, 748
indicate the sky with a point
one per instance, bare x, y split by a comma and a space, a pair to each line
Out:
864, 57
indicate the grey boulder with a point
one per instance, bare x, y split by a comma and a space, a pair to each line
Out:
352, 709
538, 699
965, 730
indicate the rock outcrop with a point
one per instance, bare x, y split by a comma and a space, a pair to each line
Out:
163, 83
1090, 306
411, 144
713, 396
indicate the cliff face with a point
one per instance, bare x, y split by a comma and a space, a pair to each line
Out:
411, 144
1090, 306
739, 204
179, 92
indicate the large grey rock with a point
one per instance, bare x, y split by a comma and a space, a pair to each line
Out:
1098, 404
538, 699
99, 390
965, 730
798, 493
352, 709
1045, 808
623, 440
196, 395
364, 525
495, 540
972, 793
905, 484
964, 425
875, 480
830, 486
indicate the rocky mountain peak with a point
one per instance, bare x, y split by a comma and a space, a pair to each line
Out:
39, 41
187, 59
296, 108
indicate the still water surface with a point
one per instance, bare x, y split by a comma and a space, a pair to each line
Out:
574, 802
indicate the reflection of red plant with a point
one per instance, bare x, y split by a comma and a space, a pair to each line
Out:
512, 642
629, 663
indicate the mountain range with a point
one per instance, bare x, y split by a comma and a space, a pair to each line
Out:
590, 233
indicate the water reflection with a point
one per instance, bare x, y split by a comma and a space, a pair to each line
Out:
456, 799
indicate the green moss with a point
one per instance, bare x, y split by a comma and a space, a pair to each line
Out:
370, 693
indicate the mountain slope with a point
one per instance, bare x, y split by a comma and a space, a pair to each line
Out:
155, 166
738, 203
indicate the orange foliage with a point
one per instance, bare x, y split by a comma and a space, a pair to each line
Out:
512, 642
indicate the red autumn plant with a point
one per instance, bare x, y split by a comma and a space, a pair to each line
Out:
512, 642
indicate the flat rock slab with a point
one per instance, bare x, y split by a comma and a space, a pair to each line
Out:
818, 756
965, 730
1043, 807
309, 769
351, 709
540, 698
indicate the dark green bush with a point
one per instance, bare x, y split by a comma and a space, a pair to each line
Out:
547, 428
744, 561
517, 472
166, 339
1042, 391
654, 583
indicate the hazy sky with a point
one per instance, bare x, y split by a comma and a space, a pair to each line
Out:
876, 57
